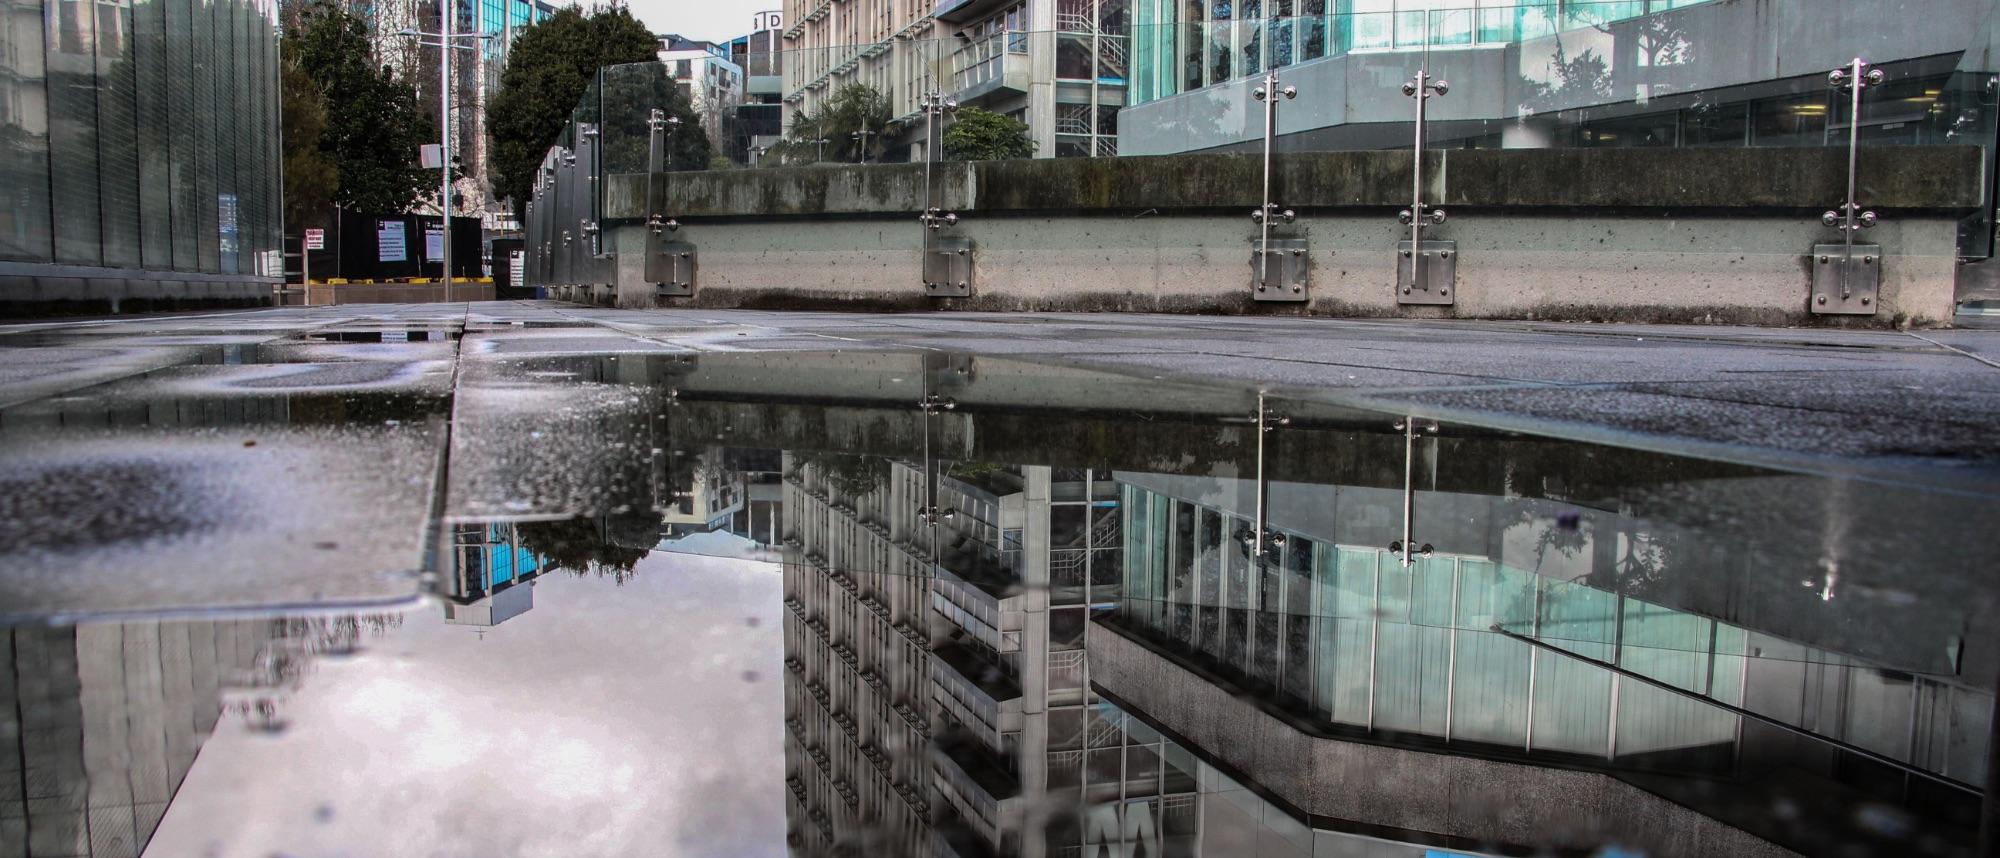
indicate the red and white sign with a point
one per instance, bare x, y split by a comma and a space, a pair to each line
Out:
315, 239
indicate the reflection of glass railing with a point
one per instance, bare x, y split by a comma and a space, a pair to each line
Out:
1465, 649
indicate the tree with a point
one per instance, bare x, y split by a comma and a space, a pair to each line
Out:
586, 545
848, 113
311, 179
549, 71
982, 135
373, 127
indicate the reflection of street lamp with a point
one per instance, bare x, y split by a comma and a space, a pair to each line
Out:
863, 136
757, 155
445, 46
822, 147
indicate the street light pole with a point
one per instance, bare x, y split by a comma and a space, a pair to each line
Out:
444, 138
445, 47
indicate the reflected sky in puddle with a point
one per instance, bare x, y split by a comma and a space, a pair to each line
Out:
929, 604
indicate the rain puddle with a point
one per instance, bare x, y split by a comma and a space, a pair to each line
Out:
563, 591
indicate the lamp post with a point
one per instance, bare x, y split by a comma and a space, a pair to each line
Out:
445, 46
863, 136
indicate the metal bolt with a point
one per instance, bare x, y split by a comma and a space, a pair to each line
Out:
1406, 290
1444, 254
1867, 260
1298, 253
1298, 288
1822, 259
1260, 288
1865, 301
1822, 299
1443, 292
962, 251
1406, 254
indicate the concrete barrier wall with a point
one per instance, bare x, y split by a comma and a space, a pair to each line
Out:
1721, 235
323, 294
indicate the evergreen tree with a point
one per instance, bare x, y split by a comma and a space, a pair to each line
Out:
982, 135
373, 127
549, 73
311, 179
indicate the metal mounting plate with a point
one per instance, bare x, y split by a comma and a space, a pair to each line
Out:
1284, 275
1862, 273
1435, 276
948, 267
670, 268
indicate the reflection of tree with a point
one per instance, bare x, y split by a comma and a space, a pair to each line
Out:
1654, 43
1586, 79
590, 546
852, 476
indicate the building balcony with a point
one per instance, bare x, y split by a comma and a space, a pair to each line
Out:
987, 677
965, 762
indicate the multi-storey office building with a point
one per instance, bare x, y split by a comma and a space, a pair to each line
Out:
1538, 73
760, 119
1058, 65
140, 154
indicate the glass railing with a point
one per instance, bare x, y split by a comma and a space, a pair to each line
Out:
1529, 75
1631, 74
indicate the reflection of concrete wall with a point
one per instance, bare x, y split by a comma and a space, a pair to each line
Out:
1708, 46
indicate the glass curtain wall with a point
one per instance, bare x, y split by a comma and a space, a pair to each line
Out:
140, 135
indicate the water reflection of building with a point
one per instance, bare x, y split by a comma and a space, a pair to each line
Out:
714, 494
1438, 653
857, 683
971, 669
493, 575
100, 723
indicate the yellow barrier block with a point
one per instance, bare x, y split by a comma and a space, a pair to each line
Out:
336, 281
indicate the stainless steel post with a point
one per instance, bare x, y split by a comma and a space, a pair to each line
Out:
1850, 218
656, 163
1268, 93
933, 104
1257, 547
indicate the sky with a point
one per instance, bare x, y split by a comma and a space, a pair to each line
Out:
711, 20
636, 719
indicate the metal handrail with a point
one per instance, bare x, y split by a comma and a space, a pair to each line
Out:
1759, 717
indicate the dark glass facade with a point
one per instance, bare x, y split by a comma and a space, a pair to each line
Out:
139, 151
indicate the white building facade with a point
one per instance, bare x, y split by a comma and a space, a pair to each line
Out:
1057, 65
711, 81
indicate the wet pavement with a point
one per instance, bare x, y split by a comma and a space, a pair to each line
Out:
525, 578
